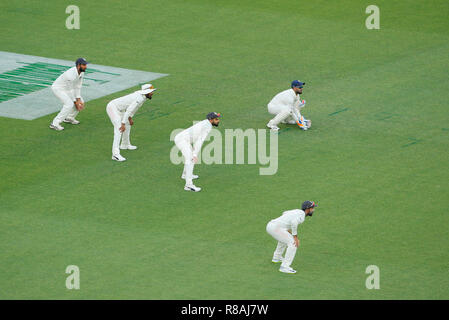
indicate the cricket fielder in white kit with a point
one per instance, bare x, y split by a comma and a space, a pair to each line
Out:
286, 106
285, 230
67, 88
189, 141
121, 112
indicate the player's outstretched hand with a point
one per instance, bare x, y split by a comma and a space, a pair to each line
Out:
122, 127
131, 122
195, 159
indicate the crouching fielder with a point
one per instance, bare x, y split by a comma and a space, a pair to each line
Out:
121, 112
195, 135
285, 230
286, 106
67, 88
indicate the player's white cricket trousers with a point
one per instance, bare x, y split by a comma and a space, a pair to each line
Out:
68, 110
116, 118
285, 240
281, 113
187, 151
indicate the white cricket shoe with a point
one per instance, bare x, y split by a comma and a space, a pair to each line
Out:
287, 270
192, 188
128, 147
57, 128
194, 176
118, 157
72, 121
272, 127
276, 260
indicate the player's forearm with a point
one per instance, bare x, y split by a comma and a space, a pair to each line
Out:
295, 114
126, 117
299, 119
196, 149
130, 111
294, 228
197, 145
78, 91
295, 237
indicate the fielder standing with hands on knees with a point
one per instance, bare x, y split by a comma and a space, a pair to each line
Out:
195, 135
285, 230
67, 88
121, 112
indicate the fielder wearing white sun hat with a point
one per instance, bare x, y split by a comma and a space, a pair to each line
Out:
147, 88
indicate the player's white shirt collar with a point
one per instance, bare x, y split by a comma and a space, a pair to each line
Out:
140, 93
294, 93
205, 124
300, 213
75, 70
297, 211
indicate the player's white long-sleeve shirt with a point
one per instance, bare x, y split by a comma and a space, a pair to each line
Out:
71, 82
290, 220
290, 99
129, 104
196, 135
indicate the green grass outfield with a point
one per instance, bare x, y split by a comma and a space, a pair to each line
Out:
376, 159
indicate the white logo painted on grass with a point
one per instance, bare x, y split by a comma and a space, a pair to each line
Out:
212, 153
373, 280
373, 20
73, 20
25, 82
73, 280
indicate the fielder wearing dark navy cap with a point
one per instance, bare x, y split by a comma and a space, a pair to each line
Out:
213, 115
297, 84
308, 205
214, 118
81, 61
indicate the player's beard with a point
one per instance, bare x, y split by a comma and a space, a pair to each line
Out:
215, 124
